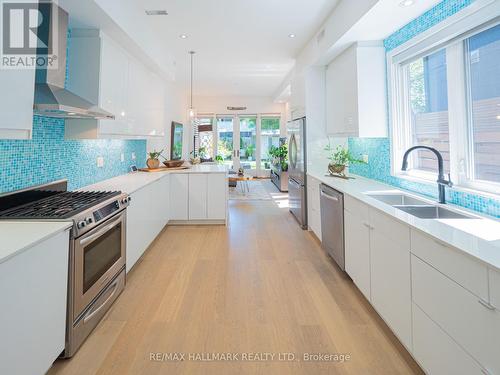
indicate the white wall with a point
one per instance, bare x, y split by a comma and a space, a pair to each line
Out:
308, 78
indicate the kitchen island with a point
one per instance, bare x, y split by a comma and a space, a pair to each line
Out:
197, 195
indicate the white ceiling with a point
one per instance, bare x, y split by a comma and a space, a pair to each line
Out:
242, 46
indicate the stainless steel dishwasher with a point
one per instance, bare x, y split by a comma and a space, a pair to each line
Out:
332, 224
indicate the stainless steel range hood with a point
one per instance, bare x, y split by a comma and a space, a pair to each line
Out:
51, 98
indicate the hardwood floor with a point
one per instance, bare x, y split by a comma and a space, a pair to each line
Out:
260, 285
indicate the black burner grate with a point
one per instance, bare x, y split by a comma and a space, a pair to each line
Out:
60, 206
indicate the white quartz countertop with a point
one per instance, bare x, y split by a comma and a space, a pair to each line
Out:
18, 236
478, 237
131, 182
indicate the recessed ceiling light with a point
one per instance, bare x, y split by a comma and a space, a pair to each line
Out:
156, 12
291, 35
183, 36
406, 3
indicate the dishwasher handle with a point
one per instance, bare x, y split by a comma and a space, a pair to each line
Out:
328, 196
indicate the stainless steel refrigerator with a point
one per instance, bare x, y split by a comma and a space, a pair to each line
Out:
297, 196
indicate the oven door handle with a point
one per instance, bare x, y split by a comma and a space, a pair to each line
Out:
90, 314
107, 228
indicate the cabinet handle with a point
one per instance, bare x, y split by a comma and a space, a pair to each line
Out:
488, 305
368, 226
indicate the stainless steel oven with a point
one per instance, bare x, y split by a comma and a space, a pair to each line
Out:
99, 256
97, 272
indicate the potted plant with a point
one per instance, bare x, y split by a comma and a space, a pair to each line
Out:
249, 150
153, 161
280, 156
340, 158
219, 159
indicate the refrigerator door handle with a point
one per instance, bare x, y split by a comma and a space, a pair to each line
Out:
293, 151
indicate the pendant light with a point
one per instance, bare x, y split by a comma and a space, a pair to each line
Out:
192, 111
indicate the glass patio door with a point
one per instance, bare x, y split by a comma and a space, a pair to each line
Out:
244, 141
247, 155
228, 140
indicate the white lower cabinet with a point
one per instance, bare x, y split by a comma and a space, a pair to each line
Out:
217, 195
494, 278
443, 305
464, 270
33, 294
179, 190
198, 197
198, 186
357, 251
470, 321
313, 206
436, 351
390, 273
147, 215
377, 254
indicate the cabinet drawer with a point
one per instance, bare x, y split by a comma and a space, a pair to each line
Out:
466, 271
357, 208
436, 352
459, 313
494, 288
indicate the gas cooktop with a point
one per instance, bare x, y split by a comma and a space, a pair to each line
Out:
59, 205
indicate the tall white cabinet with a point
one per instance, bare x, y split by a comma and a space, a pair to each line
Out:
120, 84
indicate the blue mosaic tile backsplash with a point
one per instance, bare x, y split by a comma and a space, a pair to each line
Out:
379, 149
48, 156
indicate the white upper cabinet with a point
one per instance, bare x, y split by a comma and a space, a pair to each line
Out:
356, 92
16, 103
120, 84
146, 101
114, 75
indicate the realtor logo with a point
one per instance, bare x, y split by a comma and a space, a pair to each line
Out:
28, 34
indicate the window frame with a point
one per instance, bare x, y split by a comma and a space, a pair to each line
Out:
448, 35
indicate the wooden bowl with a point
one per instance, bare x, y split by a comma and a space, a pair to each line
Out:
173, 163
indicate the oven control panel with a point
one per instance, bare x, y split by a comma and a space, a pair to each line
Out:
106, 211
91, 219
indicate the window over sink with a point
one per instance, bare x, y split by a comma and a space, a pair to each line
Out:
444, 92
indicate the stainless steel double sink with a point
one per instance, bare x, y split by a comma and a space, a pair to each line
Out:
417, 207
